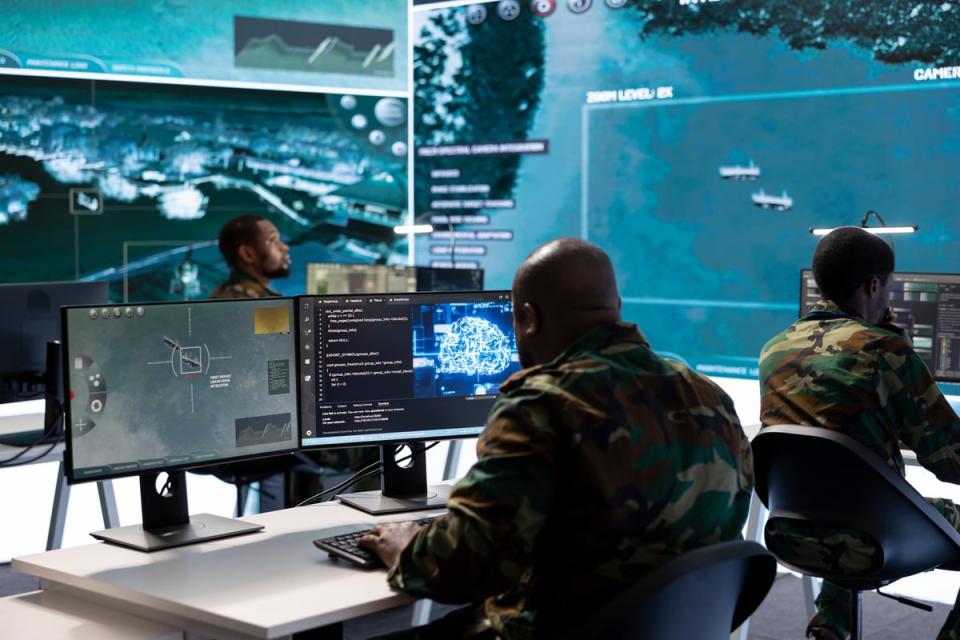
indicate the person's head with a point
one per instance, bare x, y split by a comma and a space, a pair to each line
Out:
252, 244
852, 268
562, 290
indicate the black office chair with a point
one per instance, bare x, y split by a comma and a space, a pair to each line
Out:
701, 595
814, 475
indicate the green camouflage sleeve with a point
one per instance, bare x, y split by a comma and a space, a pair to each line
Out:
483, 546
927, 423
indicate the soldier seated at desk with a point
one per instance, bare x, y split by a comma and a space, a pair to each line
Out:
845, 366
600, 461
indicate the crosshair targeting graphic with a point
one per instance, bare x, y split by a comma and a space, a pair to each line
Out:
188, 363
474, 346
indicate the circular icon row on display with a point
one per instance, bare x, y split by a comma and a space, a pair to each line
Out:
508, 10
116, 312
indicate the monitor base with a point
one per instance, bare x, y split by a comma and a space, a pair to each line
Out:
200, 528
375, 503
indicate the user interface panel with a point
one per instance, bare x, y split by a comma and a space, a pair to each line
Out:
160, 386
381, 368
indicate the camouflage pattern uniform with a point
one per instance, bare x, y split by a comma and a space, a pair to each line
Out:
593, 470
242, 285
837, 371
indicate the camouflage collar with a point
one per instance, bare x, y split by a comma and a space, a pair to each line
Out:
237, 277
827, 306
592, 341
830, 310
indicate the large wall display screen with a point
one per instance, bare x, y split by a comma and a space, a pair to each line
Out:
697, 142
131, 182
333, 43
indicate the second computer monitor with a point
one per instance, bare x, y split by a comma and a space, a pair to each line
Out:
927, 307
443, 279
329, 278
391, 368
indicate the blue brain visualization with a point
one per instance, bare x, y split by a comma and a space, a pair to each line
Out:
462, 348
474, 346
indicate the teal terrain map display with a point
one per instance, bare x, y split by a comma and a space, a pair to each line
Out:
698, 143
179, 384
333, 43
131, 182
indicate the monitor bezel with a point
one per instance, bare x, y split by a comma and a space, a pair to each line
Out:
68, 467
399, 439
893, 273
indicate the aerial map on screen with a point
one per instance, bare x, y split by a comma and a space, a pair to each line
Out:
131, 182
696, 142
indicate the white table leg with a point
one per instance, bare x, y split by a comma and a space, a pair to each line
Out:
108, 504
421, 612
58, 515
811, 589
453, 459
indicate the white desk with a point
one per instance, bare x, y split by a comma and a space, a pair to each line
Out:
48, 615
264, 585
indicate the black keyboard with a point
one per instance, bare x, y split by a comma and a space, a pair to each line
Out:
344, 546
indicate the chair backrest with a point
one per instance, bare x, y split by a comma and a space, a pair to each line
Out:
701, 595
823, 476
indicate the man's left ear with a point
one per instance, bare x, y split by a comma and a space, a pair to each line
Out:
529, 320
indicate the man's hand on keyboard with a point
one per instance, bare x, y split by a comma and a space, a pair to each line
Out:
388, 540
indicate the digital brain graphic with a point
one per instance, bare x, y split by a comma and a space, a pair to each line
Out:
474, 346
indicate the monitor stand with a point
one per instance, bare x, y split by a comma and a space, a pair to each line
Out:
403, 486
166, 521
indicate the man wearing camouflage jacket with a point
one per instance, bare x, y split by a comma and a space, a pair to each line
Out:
600, 461
845, 366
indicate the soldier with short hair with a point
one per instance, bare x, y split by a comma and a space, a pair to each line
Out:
846, 366
600, 461
252, 247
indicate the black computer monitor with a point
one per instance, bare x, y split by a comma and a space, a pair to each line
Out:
439, 279
164, 387
927, 307
331, 278
388, 369
29, 320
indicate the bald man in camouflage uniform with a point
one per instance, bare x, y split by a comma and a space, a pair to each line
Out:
845, 366
600, 462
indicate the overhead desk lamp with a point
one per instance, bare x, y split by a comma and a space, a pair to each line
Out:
883, 229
